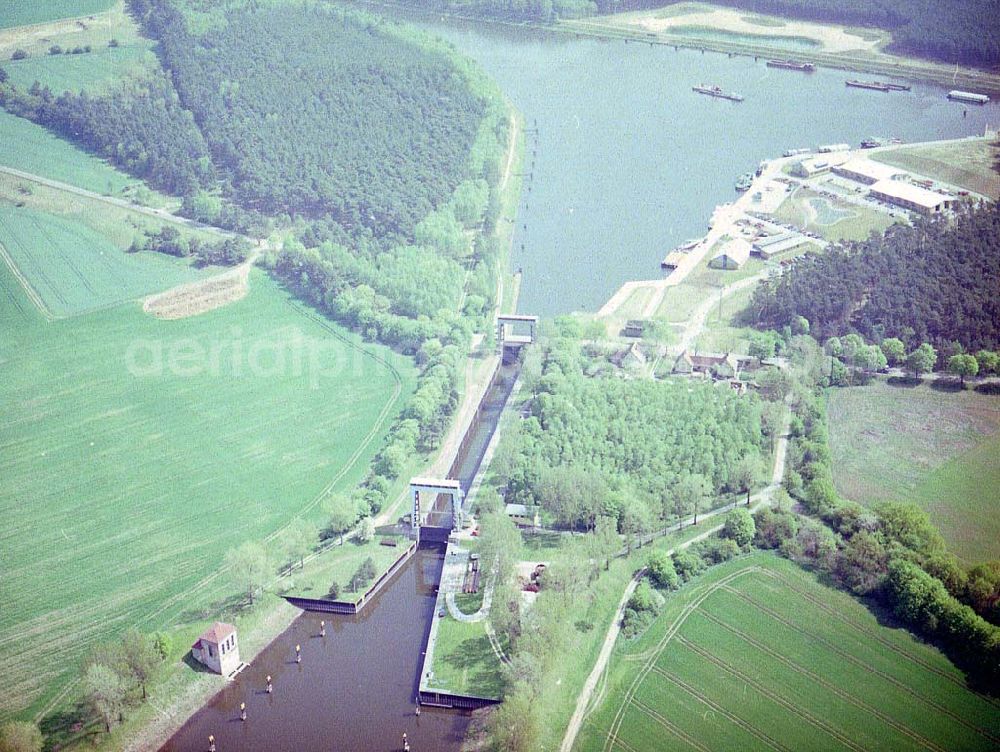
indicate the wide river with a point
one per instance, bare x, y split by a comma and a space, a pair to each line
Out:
630, 162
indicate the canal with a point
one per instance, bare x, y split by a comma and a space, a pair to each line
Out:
623, 162
354, 690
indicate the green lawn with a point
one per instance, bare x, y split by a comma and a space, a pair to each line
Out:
464, 662
938, 449
756, 654
855, 222
30, 148
337, 564
969, 164
24, 12
93, 71
135, 452
74, 269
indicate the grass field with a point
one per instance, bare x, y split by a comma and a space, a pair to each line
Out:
337, 564
30, 148
464, 661
756, 654
135, 452
74, 269
94, 71
969, 164
855, 222
24, 12
938, 449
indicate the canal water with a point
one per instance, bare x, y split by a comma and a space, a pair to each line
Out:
629, 162
354, 690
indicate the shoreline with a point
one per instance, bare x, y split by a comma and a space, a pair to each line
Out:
598, 27
910, 68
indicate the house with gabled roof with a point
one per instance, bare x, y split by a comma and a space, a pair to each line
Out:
217, 648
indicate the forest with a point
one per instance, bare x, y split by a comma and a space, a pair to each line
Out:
953, 31
347, 121
629, 448
141, 127
931, 282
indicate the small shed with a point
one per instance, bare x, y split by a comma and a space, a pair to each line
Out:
634, 328
217, 648
523, 515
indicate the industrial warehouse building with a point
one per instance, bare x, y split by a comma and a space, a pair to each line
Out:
866, 171
808, 168
772, 245
911, 197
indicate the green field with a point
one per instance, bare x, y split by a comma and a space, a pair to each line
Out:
94, 71
832, 220
30, 148
757, 654
74, 269
135, 452
24, 12
935, 448
969, 164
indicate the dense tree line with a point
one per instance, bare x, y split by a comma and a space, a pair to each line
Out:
345, 121
932, 282
641, 451
169, 240
140, 127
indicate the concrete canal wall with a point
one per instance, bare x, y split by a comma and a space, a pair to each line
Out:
353, 607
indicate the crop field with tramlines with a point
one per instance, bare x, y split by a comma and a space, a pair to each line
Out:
757, 655
135, 452
71, 269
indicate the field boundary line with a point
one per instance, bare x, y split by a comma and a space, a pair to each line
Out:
801, 712
30, 291
878, 638
661, 646
736, 720
841, 693
850, 659
676, 731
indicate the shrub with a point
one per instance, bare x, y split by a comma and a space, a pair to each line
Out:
334, 592
719, 550
739, 527
19, 54
687, 564
773, 527
662, 572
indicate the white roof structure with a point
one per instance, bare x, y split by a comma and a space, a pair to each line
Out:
736, 250
869, 171
910, 194
516, 510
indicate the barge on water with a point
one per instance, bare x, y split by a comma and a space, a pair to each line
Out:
791, 65
873, 85
968, 96
876, 85
716, 91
